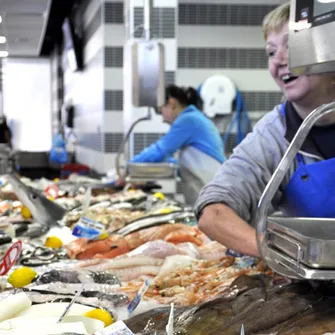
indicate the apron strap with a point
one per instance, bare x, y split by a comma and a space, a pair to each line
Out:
300, 160
282, 109
302, 166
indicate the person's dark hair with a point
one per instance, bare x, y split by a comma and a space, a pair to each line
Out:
185, 96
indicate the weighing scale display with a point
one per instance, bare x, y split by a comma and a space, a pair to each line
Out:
315, 12
321, 8
311, 41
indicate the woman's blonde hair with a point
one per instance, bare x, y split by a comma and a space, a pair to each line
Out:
275, 20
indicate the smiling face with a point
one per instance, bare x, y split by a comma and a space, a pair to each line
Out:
306, 91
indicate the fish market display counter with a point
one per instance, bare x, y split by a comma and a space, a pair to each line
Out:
135, 262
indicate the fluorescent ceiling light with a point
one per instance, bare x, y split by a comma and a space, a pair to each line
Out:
2, 39
3, 53
0, 18
326, 1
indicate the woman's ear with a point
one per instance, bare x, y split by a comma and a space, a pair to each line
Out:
173, 103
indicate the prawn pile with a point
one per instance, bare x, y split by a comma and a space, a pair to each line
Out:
198, 282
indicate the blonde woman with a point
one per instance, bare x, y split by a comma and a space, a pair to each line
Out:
227, 206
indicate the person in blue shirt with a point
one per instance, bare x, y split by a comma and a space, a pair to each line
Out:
193, 135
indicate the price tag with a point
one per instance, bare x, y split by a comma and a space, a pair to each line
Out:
117, 328
138, 297
245, 262
11, 256
88, 228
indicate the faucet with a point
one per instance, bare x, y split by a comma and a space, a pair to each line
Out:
269, 255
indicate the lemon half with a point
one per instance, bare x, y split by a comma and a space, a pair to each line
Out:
25, 212
100, 314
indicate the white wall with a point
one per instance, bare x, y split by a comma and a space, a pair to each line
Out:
27, 102
86, 89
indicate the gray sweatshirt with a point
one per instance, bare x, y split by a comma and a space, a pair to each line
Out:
242, 178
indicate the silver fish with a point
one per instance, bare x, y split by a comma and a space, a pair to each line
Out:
107, 301
155, 220
45, 212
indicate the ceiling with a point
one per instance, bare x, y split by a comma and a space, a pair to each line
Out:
23, 25
31, 26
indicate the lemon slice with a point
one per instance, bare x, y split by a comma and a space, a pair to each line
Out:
53, 242
25, 212
21, 277
100, 314
103, 235
159, 195
165, 211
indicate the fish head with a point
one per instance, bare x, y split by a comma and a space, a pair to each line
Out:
43, 210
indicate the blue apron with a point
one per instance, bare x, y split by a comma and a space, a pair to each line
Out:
311, 190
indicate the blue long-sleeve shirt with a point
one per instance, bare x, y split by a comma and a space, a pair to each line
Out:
191, 128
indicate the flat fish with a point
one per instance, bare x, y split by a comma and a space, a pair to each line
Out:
192, 320
261, 306
157, 249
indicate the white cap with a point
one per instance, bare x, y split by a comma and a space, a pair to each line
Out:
217, 93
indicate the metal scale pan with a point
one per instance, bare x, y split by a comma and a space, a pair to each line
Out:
310, 242
302, 248
151, 171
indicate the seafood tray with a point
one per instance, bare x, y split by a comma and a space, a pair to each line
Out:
310, 241
151, 170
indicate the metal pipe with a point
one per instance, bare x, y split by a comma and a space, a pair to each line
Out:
279, 174
128, 15
148, 14
125, 140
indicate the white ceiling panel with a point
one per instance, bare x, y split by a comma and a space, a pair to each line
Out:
24, 24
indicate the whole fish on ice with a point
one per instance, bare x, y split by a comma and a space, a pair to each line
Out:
155, 220
76, 276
